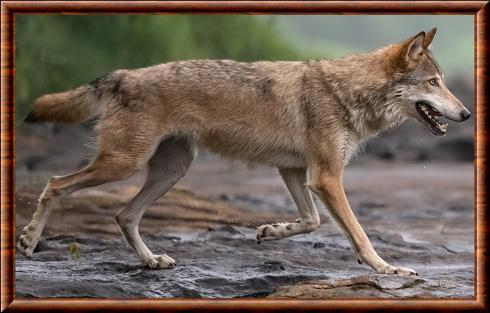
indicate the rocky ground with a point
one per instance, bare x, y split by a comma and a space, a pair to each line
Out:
418, 215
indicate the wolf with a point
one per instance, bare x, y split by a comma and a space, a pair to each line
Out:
306, 118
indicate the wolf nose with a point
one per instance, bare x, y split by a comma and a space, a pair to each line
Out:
465, 115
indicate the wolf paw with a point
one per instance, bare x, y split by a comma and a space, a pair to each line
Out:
282, 230
26, 245
274, 231
159, 261
399, 271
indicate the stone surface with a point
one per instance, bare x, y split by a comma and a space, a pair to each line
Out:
418, 216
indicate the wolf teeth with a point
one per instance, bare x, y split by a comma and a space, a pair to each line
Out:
433, 119
442, 127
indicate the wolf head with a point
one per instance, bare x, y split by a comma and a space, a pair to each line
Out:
420, 86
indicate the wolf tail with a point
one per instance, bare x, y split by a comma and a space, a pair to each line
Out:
77, 105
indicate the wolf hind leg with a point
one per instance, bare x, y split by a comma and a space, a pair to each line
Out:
108, 168
120, 154
295, 180
166, 167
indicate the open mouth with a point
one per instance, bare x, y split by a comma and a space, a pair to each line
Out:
430, 116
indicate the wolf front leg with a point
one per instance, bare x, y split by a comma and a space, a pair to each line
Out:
295, 180
327, 184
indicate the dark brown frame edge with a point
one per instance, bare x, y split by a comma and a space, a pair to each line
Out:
8, 10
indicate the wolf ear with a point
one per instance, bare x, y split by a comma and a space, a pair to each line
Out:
429, 37
413, 49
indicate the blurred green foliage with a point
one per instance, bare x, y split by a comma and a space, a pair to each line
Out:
59, 52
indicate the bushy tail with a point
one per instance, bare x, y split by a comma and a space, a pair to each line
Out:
76, 105
73, 106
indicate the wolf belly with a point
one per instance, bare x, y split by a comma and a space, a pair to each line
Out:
263, 150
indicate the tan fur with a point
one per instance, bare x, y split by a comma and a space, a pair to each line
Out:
297, 116
74, 106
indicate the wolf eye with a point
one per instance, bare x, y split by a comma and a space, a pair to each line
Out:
432, 82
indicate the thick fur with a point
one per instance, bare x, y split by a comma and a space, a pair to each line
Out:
74, 106
297, 116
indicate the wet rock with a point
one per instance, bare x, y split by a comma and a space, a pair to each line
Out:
361, 286
73, 288
372, 204
229, 267
228, 229
408, 223
318, 245
271, 266
222, 232
186, 293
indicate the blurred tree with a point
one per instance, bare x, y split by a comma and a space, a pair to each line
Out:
59, 52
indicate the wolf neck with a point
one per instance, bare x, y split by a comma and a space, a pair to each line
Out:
363, 90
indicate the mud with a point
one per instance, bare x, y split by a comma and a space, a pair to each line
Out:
418, 216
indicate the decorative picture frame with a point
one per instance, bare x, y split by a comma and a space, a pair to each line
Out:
9, 10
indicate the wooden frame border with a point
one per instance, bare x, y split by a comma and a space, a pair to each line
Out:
10, 8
